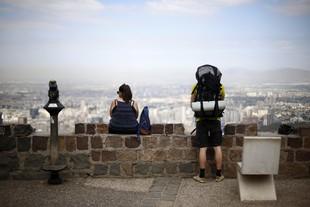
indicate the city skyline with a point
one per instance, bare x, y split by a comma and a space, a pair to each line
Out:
149, 41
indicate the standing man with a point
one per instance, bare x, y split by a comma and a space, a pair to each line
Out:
205, 98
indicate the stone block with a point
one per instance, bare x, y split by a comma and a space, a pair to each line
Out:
4, 172
102, 129
190, 154
9, 160
34, 161
230, 129
240, 129
61, 144
149, 142
178, 129
287, 155
157, 129
108, 156
95, 155
169, 129
132, 142
229, 170
23, 144
171, 168
7, 143
225, 155
115, 169
303, 155
141, 168
5, 130
186, 168
91, 129
80, 161
179, 141
70, 142
294, 142
307, 142
39, 143
126, 155
100, 169
61, 160
114, 141
157, 168
22, 130
146, 155
96, 142
80, 128
239, 141
227, 141
283, 142
82, 142
164, 141
126, 169
235, 155
293, 170
30, 175
159, 155
4, 160
304, 131
251, 129
175, 154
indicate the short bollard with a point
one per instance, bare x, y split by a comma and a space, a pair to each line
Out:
53, 106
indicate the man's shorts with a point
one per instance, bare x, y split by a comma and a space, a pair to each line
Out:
209, 133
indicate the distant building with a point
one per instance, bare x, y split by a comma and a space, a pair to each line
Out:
1, 120
22, 120
96, 119
34, 112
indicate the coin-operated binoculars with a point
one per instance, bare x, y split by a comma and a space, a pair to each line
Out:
53, 107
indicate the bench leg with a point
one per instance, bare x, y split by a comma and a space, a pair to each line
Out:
256, 187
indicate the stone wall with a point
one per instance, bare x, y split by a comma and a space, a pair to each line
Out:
91, 151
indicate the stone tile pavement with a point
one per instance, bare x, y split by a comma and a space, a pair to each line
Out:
145, 192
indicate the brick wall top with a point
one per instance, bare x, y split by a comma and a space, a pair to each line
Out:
244, 129
87, 128
248, 129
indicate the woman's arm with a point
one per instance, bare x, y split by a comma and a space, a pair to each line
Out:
113, 104
135, 105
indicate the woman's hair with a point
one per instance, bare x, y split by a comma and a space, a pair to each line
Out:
126, 92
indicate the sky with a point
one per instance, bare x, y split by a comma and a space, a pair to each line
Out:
149, 41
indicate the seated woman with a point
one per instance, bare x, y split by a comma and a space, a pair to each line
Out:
124, 113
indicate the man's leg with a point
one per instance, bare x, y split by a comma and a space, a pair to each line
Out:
202, 165
218, 157
219, 162
202, 161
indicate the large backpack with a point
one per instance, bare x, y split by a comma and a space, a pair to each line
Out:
144, 122
208, 89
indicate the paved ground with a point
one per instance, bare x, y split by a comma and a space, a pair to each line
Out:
163, 192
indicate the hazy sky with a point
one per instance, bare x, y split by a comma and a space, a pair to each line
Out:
152, 41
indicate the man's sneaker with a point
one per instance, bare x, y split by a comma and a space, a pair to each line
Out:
199, 179
219, 178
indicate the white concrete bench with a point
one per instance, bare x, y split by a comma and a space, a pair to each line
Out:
260, 161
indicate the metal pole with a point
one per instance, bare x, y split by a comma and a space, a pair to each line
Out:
54, 139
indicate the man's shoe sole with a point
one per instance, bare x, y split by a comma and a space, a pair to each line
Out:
199, 179
219, 179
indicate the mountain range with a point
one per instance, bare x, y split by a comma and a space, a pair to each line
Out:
278, 76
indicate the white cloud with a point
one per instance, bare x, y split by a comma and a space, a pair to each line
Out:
60, 8
293, 7
198, 7
53, 14
284, 45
